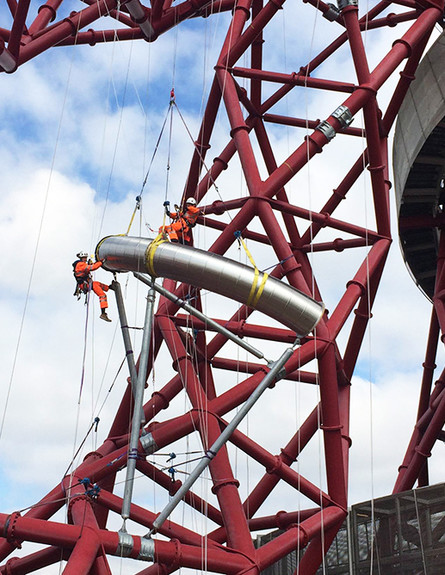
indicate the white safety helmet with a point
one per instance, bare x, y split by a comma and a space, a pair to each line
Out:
82, 255
191, 201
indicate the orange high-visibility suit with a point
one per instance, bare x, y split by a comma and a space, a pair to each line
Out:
82, 273
179, 229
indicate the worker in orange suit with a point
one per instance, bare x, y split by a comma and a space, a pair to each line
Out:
179, 231
82, 272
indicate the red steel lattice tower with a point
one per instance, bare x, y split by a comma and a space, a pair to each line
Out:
294, 233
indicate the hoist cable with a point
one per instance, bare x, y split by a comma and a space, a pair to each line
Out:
195, 145
94, 423
36, 249
139, 197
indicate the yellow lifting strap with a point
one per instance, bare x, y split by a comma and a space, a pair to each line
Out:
150, 254
136, 208
255, 290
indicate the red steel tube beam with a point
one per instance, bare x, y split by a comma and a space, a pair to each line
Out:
34, 561
84, 553
298, 537
224, 484
423, 450
218, 559
144, 517
274, 464
332, 426
193, 500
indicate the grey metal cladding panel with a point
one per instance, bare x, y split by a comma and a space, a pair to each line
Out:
422, 110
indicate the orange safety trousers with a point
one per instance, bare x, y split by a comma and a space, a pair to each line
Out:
177, 231
99, 289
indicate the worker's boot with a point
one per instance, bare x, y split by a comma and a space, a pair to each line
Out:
104, 316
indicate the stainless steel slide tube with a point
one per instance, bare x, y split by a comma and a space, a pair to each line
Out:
215, 273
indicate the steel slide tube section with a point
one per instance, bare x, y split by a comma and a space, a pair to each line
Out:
215, 273
222, 439
207, 320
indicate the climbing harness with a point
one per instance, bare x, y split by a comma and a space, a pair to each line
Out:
83, 281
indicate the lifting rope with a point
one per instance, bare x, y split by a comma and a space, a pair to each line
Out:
139, 196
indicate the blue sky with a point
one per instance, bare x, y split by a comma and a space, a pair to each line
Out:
77, 133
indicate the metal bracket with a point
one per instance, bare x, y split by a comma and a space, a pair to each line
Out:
343, 115
148, 443
332, 14
125, 546
326, 129
147, 552
344, 3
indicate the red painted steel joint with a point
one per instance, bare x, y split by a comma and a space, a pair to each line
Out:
176, 560
164, 402
224, 165
177, 361
363, 315
281, 518
92, 34
404, 43
93, 455
222, 483
286, 458
50, 9
338, 244
278, 465
331, 427
359, 284
238, 128
73, 501
425, 455
9, 529
347, 438
9, 567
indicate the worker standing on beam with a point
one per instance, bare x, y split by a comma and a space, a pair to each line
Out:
82, 272
179, 230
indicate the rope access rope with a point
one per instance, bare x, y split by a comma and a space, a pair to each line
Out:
36, 249
144, 182
95, 424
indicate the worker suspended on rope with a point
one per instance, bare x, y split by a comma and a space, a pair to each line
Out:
82, 272
183, 221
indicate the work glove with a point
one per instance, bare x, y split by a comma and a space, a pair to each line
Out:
166, 204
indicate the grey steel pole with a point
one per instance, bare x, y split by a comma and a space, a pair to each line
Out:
223, 438
138, 406
207, 320
126, 335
